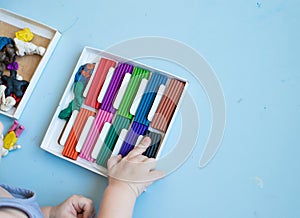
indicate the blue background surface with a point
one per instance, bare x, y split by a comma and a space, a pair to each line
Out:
253, 46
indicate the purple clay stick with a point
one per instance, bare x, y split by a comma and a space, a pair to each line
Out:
114, 85
135, 131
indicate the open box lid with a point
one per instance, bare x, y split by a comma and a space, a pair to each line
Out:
44, 35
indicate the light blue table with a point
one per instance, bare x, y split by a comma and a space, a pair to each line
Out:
253, 47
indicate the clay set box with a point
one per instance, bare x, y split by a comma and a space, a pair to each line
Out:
20, 73
109, 104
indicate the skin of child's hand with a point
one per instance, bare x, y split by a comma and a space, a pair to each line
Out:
135, 169
75, 206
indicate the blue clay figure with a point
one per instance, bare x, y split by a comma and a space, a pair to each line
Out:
13, 85
81, 79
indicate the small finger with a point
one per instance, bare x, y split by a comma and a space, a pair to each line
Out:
87, 207
139, 158
146, 141
150, 163
156, 175
150, 159
140, 148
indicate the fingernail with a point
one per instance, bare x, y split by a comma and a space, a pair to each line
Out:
147, 140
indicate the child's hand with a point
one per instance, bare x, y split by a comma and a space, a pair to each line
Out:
136, 170
75, 206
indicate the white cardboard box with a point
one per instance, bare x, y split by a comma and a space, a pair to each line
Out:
51, 139
48, 36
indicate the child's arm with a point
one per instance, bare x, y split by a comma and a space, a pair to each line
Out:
118, 201
128, 178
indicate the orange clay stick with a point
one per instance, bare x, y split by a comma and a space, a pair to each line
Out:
69, 149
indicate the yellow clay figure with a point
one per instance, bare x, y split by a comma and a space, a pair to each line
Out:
11, 138
25, 35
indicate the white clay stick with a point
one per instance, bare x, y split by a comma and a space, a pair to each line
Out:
84, 133
100, 140
106, 84
157, 99
68, 128
119, 142
87, 88
139, 139
121, 91
138, 96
